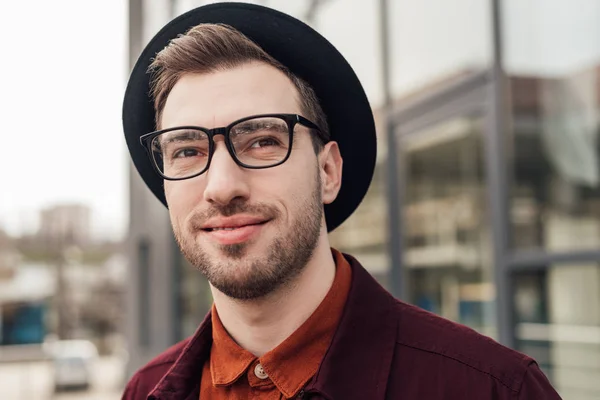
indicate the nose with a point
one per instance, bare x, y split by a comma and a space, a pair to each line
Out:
225, 180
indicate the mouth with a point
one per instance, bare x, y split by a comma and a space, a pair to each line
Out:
235, 230
232, 228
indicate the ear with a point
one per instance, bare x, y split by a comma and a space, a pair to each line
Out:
330, 167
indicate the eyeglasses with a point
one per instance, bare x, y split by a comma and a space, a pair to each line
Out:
255, 142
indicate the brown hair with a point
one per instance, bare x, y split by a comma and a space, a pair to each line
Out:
208, 48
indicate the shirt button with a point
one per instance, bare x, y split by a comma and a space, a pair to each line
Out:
260, 372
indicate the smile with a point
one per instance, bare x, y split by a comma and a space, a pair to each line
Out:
233, 230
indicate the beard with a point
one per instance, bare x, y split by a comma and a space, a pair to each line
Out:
241, 275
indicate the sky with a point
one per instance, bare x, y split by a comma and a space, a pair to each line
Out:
63, 69
63, 66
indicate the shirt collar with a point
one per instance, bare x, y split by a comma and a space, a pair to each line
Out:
296, 360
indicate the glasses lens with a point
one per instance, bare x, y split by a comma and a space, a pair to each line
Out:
181, 153
261, 142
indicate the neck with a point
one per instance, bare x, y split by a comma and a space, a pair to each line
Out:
260, 325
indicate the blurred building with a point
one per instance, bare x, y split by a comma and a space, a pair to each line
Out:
66, 223
485, 205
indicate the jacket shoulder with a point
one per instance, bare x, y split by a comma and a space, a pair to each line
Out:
460, 347
148, 376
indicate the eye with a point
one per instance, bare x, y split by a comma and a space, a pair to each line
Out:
265, 142
186, 152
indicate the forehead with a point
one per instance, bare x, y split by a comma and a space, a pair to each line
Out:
221, 97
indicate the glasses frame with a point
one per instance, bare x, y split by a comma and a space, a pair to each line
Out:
291, 119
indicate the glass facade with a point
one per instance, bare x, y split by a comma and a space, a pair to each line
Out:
436, 41
194, 298
555, 109
557, 315
552, 62
446, 236
364, 234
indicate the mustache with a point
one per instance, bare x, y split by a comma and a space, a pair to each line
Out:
198, 219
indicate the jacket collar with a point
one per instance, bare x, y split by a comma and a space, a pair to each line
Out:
361, 350
182, 381
363, 346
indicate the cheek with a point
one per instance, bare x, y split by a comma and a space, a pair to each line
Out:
296, 185
182, 197
283, 188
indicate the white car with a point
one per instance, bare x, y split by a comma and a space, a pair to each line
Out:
73, 362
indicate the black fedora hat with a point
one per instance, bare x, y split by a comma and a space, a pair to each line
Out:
305, 53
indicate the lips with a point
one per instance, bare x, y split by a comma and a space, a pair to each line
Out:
232, 223
233, 230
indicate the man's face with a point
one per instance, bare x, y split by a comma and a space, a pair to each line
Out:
249, 231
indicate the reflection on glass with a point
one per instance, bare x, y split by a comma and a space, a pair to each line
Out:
365, 233
436, 41
194, 298
557, 315
555, 97
446, 241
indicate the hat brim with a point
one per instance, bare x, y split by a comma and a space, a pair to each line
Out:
305, 53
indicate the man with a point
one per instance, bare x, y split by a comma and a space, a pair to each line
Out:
258, 136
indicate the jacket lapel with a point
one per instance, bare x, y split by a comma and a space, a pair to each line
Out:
182, 381
358, 362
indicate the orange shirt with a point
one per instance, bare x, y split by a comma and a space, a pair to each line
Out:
232, 372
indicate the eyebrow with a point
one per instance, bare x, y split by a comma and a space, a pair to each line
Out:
262, 123
179, 136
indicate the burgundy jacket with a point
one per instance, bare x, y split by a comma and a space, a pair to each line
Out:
383, 349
